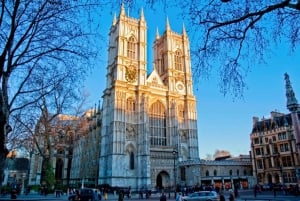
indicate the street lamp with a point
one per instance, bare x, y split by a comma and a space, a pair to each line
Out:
174, 154
23, 183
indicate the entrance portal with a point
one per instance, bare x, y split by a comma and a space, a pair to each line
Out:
163, 180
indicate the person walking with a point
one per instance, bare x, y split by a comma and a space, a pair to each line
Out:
255, 190
179, 197
222, 197
105, 194
231, 195
121, 196
163, 197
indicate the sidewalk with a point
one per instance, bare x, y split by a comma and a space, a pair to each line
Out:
33, 196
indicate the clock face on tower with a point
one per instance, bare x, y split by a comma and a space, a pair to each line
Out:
130, 74
180, 86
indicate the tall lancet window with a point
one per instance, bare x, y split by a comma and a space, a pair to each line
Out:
157, 121
178, 60
131, 48
130, 109
130, 105
131, 161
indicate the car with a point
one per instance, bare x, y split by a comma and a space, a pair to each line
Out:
202, 195
86, 194
266, 187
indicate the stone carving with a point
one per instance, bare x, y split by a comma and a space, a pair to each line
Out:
130, 132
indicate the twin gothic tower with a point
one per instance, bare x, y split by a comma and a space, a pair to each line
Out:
149, 120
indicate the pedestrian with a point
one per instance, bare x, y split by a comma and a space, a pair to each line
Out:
236, 193
255, 191
163, 197
231, 195
222, 197
121, 196
274, 191
179, 197
99, 194
105, 194
77, 197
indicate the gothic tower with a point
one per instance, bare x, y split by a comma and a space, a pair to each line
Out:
149, 121
294, 108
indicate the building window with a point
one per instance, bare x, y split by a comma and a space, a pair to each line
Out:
286, 161
157, 122
230, 172
178, 60
259, 164
257, 151
130, 105
182, 173
131, 46
131, 161
238, 172
181, 111
215, 172
59, 168
207, 173
245, 172
282, 136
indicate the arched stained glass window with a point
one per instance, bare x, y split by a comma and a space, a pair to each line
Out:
157, 121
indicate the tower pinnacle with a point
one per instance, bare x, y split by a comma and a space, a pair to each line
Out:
292, 103
168, 28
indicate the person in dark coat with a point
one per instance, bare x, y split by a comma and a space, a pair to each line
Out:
163, 197
231, 195
222, 197
121, 196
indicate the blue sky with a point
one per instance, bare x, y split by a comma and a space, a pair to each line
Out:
224, 123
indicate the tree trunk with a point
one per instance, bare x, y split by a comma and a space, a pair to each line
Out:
3, 149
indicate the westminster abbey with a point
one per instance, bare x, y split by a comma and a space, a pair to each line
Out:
149, 119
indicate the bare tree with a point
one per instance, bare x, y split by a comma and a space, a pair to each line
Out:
231, 36
46, 47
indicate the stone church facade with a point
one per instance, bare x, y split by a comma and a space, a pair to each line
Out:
149, 119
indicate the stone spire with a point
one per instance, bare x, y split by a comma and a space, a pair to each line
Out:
183, 30
157, 33
115, 19
122, 12
168, 28
292, 103
142, 17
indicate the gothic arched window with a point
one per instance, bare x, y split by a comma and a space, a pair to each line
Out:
157, 121
59, 168
207, 173
178, 60
131, 48
131, 161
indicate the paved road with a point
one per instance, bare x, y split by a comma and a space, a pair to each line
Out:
244, 195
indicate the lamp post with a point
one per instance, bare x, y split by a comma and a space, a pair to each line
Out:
23, 183
174, 154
